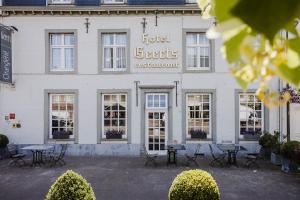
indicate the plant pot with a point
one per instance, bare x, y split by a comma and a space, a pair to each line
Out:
113, 137
198, 136
251, 136
276, 159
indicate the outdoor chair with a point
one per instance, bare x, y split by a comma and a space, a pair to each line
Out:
59, 158
218, 157
15, 156
149, 158
47, 154
192, 156
251, 158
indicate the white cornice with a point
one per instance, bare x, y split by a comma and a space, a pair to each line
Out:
100, 10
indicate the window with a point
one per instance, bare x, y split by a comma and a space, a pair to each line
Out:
198, 119
113, 1
251, 114
114, 51
191, 1
62, 52
157, 101
114, 120
61, 116
62, 1
197, 51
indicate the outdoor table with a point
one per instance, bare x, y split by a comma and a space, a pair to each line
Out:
37, 153
172, 153
232, 150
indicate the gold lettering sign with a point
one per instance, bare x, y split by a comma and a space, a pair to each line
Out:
155, 54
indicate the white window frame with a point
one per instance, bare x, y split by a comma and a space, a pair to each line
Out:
113, 2
198, 46
62, 67
63, 2
114, 47
159, 107
125, 136
209, 135
262, 112
191, 1
50, 136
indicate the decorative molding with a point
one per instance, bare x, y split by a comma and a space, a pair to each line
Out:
99, 10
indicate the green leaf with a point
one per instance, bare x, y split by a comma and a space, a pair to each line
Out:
266, 16
231, 48
292, 75
222, 9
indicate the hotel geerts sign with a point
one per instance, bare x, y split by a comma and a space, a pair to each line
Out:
155, 53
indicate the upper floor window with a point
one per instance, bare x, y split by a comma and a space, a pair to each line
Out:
114, 51
113, 1
251, 115
197, 51
198, 119
62, 52
62, 1
191, 1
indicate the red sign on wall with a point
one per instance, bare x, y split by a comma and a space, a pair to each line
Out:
12, 116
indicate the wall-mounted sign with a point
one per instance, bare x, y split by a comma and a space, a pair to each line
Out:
6, 55
155, 58
12, 116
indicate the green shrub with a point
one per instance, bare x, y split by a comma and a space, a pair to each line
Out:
266, 140
290, 150
71, 186
3, 141
194, 185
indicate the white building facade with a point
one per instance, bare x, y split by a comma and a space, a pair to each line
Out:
111, 79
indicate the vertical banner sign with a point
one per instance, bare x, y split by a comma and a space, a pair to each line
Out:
6, 55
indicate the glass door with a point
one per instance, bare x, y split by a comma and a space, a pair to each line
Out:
156, 123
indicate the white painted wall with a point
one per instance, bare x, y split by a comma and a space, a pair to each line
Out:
27, 98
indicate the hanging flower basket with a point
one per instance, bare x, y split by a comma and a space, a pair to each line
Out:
294, 94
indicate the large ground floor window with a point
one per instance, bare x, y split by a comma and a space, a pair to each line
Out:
251, 115
198, 119
61, 116
114, 120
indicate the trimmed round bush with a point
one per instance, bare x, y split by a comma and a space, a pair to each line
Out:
194, 185
3, 141
71, 186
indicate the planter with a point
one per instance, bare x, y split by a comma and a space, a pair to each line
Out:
251, 136
276, 159
60, 135
198, 135
113, 137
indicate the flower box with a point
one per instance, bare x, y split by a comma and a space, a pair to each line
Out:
276, 159
251, 135
114, 134
60, 135
198, 134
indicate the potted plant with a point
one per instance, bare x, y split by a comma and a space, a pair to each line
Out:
251, 135
265, 141
290, 152
198, 134
276, 158
114, 134
3, 144
61, 135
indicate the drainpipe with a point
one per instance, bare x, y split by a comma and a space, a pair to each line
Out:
288, 128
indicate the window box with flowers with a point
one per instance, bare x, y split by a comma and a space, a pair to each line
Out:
114, 134
198, 134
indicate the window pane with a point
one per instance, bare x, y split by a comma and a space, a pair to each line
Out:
108, 39
69, 39
192, 57
69, 58
108, 57
56, 39
191, 39
150, 101
120, 39
121, 57
56, 58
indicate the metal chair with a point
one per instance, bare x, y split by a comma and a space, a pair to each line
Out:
59, 158
218, 158
251, 158
149, 158
47, 154
15, 156
192, 156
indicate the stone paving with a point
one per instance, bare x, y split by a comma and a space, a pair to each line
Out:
126, 178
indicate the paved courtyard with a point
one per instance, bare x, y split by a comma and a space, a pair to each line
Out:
126, 178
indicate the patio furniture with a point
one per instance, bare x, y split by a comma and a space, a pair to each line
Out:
231, 150
15, 156
149, 158
192, 156
47, 154
59, 158
37, 153
218, 157
251, 158
172, 152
